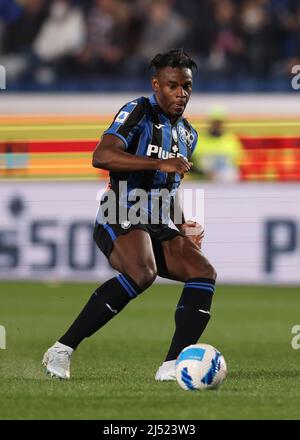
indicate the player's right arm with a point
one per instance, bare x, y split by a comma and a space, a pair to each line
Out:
112, 151
110, 155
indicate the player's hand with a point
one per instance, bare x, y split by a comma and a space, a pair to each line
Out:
175, 165
194, 231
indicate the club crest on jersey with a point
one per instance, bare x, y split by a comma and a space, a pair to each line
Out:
158, 152
186, 136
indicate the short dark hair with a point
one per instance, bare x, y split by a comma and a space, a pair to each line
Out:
173, 58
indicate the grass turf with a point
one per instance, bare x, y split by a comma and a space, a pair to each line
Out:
113, 372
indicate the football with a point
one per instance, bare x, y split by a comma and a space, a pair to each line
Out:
200, 367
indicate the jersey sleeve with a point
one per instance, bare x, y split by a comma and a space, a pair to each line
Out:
127, 122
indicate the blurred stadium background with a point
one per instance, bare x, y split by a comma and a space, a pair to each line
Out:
70, 65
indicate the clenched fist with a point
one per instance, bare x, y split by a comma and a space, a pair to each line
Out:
194, 231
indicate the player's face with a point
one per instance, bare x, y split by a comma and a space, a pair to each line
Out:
173, 88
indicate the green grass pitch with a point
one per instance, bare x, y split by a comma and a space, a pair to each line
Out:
113, 371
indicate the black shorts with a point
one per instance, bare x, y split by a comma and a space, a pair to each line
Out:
106, 234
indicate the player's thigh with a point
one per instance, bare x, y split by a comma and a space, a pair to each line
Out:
133, 254
185, 260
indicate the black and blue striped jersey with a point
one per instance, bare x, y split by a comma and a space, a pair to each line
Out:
146, 131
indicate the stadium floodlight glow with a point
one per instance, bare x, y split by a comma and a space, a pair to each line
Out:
2, 78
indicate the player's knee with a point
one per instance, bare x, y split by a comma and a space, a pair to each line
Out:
197, 265
144, 275
210, 272
204, 269
149, 278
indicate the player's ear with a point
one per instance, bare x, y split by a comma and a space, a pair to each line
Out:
155, 84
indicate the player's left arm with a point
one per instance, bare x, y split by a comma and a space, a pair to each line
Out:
190, 228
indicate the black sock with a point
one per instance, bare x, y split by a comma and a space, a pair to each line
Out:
192, 314
104, 304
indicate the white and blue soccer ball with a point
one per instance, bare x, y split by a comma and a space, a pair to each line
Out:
200, 367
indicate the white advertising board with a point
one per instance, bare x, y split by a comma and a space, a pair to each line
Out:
276, 104
252, 231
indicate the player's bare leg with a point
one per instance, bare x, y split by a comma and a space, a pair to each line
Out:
133, 254
133, 257
185, 262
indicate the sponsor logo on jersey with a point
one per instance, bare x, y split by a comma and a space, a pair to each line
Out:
186, 136
158, 152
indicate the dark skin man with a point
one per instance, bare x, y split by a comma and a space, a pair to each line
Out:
133, 252
148, 146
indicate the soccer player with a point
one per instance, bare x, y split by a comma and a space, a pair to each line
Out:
148, 145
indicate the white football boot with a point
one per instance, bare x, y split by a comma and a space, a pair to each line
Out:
166, 371
57, 360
